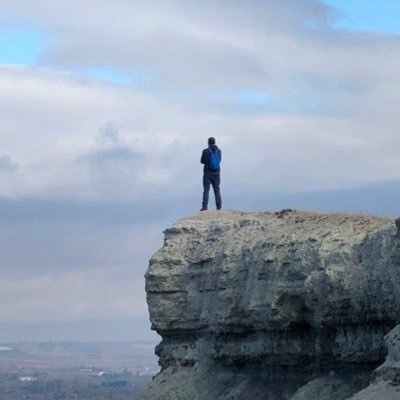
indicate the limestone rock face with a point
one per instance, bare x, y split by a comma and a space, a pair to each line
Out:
385, 384
277, 306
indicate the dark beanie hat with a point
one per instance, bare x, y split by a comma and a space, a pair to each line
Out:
211, 140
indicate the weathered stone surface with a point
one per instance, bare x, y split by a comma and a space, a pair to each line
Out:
385, 384
338, 386
272, 305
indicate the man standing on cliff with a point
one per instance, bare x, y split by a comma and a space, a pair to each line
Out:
211, 158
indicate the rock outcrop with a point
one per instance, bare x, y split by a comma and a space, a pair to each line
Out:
277, 306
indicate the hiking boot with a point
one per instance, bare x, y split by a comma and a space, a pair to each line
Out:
204, 209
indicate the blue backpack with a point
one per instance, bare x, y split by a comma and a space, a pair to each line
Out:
214, 160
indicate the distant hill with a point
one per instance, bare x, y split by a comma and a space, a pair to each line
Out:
137, 356
14, 354
126, 349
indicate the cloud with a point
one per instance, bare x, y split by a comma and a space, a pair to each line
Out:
108, 134
48, 238
308, 99
7, 164
98, 294
151, 148
115, 168
123, 155
184, 44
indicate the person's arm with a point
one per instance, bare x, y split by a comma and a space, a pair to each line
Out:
203, 158
220, 154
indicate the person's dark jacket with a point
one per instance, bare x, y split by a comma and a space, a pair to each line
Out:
206, 158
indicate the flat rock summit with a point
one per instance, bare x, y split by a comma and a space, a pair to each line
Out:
277, 306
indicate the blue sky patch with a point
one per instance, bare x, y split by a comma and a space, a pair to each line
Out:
23, 46
368, 15
20, 45
253, 98
115, 76
245, 97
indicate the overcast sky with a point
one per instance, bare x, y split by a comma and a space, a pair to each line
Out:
106, 105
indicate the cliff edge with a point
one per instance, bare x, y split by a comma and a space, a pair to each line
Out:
278, 306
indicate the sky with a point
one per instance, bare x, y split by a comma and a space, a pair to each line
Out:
105, 107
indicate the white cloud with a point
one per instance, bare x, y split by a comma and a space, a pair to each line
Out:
94, 294
7, 164
51, 122
332, 118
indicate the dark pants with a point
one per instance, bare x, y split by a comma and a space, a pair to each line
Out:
214, 179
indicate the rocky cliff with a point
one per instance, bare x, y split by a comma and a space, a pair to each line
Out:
277, 306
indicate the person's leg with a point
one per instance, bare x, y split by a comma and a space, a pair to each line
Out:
206, 192
217, 192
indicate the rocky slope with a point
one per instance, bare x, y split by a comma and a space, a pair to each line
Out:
278, 306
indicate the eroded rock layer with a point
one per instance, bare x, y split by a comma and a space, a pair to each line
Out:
273, 305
